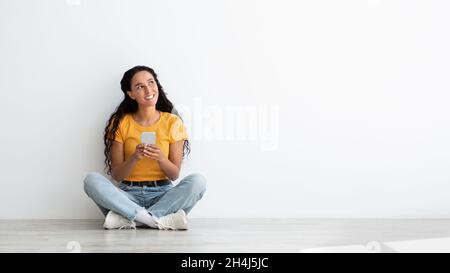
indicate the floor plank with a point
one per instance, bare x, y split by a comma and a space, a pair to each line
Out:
216, 235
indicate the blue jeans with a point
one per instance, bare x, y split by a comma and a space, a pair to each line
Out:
159, 201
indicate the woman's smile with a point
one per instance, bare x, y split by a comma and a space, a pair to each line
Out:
149, 97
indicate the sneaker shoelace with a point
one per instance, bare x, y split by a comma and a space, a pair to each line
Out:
131, 225
168, 222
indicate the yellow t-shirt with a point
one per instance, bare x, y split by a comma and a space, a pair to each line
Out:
168, 129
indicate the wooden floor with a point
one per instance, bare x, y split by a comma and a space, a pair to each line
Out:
220, 235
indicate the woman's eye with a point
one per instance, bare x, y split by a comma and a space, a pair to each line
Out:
139, 87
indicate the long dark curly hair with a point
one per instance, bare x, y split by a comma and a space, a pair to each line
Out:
129, 105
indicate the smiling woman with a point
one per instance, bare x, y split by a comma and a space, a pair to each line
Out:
146, 194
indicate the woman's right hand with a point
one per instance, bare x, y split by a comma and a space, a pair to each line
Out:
139, 153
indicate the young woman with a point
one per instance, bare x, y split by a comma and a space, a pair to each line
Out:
145, 195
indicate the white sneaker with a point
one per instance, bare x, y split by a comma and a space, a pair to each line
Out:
114, 220
173, 221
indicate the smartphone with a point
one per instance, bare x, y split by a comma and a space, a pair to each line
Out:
148, 137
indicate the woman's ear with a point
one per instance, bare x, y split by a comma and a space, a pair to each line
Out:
129, 95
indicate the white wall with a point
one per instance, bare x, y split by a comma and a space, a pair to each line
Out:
350, 102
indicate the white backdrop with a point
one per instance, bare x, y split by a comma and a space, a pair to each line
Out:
295, 108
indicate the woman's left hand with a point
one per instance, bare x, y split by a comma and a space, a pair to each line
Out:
153, 151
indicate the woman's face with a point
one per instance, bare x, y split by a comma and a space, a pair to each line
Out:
144, 89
